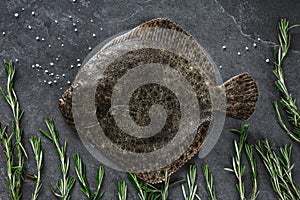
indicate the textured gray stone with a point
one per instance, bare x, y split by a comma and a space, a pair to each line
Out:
235, 24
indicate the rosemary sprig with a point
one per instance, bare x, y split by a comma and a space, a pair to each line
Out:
138, 185
14, 151
145, 190
66, 183
38, 156
99, 179
122, 190
165, 190
287, 101
81, 175
12, 180
191, 183
237, 168
280, 169
286, 163
252, 162
209, 182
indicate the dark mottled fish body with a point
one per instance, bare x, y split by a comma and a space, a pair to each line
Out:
241, 95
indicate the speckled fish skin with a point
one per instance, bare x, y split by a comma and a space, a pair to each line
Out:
241, 96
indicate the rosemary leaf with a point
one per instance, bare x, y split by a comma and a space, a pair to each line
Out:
122, 190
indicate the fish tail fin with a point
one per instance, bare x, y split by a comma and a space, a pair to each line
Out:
241, 96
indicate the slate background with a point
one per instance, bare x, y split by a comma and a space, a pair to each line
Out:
236, 24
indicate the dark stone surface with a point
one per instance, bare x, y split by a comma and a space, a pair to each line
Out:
236, 24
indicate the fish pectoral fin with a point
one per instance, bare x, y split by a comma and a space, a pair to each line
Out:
241, 96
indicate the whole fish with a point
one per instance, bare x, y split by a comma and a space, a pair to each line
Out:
240, 94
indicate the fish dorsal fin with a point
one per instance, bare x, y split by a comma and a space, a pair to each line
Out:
164, 23
170, 34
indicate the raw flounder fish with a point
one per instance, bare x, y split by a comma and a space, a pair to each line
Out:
241, 97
